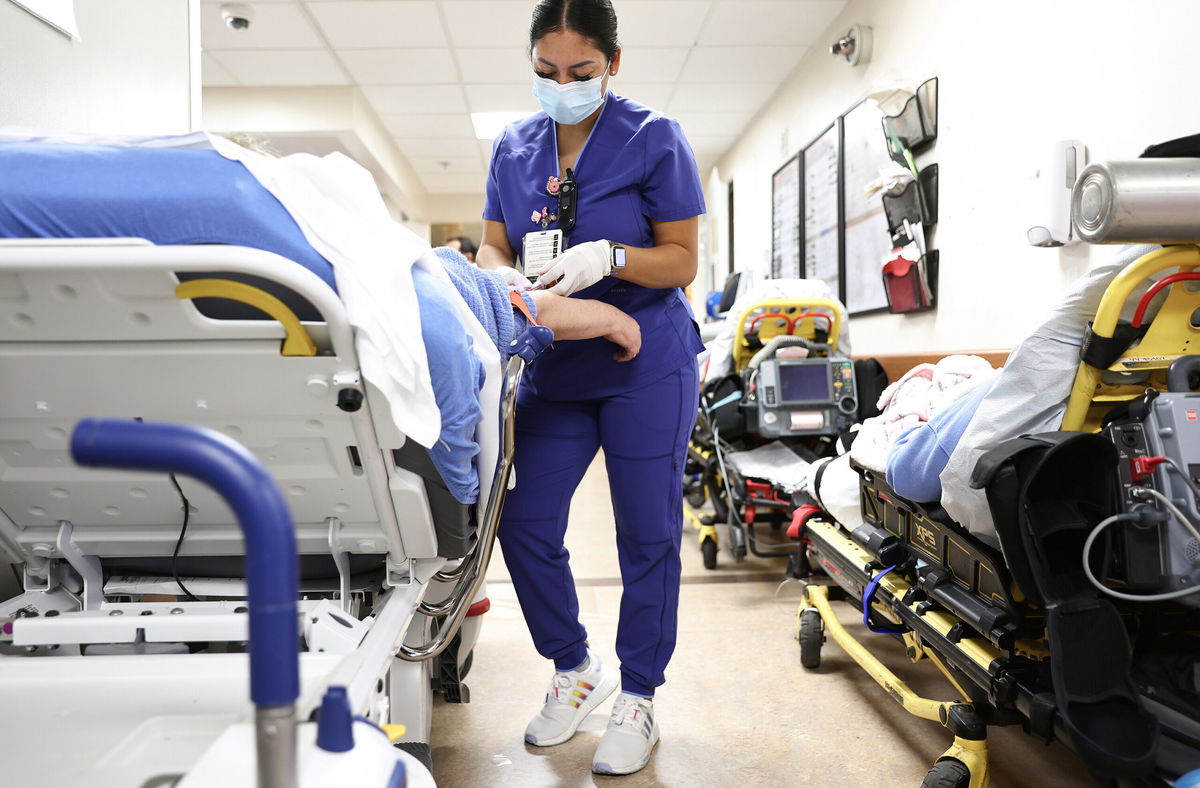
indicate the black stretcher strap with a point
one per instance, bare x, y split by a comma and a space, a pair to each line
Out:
1101, 352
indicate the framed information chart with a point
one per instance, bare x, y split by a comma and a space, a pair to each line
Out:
822, 255
866, 238
785, 221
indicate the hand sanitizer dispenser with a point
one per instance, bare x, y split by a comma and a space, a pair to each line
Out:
1052, 184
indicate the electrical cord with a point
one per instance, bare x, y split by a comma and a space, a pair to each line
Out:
1167, 503
1087, 569
187, 512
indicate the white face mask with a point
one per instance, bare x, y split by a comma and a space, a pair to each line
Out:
570, 103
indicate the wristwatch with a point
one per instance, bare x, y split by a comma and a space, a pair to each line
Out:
618, 259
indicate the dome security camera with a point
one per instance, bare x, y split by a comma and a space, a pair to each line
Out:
238, 16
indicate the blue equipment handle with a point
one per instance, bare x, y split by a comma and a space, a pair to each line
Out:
532, 342
271, 558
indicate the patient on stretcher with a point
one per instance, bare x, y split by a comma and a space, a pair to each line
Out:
183, 195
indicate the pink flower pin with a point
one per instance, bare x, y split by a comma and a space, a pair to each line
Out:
553, 184
536, 216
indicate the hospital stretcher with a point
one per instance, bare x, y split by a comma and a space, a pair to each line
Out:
989, 616
111, 671
788, 408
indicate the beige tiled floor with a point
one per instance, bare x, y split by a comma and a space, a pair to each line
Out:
737, 708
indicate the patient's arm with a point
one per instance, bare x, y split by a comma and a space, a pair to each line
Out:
579, 318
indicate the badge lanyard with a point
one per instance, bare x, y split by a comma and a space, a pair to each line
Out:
540, 248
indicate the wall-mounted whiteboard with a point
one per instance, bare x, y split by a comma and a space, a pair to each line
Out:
866, 231
785, 221
822, 252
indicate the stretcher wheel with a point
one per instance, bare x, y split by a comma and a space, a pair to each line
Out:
708, 549
812, 635
948, 774
694, 494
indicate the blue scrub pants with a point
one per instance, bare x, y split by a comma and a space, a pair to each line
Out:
644, 434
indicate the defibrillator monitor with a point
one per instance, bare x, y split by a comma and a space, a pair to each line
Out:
810, 396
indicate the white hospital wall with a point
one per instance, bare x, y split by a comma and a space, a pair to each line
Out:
1013, 77
136, 69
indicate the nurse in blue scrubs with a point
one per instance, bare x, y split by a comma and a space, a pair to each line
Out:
632, 244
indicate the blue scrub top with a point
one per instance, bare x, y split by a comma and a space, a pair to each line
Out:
636, 166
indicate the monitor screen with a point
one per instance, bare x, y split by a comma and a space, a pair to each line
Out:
804, 383
729, 295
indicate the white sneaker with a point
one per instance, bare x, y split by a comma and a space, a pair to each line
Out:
571, 697
632, 733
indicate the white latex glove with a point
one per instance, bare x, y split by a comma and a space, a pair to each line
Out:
579, 267
513, 278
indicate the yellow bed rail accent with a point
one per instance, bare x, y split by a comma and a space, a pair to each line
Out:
1156, 350
296, 340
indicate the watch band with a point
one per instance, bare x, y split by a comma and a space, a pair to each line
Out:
617, 263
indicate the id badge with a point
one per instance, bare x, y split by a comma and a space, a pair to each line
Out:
539, 249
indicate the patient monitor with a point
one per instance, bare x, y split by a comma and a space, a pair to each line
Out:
809, 396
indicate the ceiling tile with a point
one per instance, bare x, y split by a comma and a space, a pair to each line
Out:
653, 94
652, 64
275, 26
457, 126
459, 148
734, 97
268, 68
501, 98
646, 24
415, 98
400, 66
713, 124
213, 74
453, 184
741, 64
380, 24
769, 22
452, 165
486, 23
495, 65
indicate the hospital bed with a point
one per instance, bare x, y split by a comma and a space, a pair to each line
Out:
1013, 623
791, 392
124, 660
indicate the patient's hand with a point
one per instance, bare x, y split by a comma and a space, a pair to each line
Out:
581, 318
626, 334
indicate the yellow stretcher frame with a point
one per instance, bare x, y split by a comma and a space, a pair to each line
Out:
1171, 334
742, 352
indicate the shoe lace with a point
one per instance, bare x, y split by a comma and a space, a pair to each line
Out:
629, 709
560, 689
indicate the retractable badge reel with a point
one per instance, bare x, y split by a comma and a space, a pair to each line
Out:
539, 248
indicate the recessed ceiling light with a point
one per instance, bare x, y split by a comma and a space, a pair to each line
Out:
489, 124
